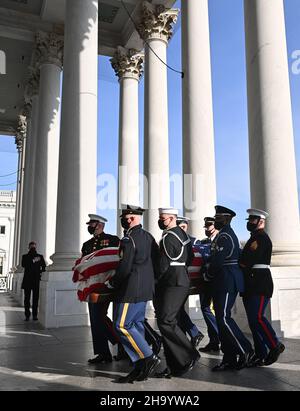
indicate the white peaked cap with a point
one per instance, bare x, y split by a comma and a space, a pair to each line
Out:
258, 213
170, 211
97, 218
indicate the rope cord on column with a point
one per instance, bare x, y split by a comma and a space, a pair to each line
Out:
150, 48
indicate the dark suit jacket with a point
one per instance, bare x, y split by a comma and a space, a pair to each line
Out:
34, 265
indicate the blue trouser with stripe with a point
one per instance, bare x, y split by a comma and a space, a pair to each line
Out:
263, 334
129, 321
209, 318
233, 341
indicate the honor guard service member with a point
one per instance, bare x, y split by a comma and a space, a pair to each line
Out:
184, 320
172, 290
228, 281
101, 325
206, 295
134, 285
255, 262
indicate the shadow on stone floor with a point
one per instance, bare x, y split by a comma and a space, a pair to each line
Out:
32, 358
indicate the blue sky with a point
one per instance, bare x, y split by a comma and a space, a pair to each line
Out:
230, 108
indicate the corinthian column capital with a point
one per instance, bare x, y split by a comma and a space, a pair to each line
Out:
157, 21
49, 49
128, 63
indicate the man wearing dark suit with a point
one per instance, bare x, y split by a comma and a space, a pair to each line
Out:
34, 265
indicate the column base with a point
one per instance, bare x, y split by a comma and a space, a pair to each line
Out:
59, 305
286, 255
63, 261
17, 279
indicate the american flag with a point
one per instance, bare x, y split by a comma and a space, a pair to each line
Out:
201, 257
93, 270
197, 263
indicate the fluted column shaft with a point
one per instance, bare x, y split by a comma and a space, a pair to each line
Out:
198, 130
156, 29
78, 140
50, 49
271, 139
128, 65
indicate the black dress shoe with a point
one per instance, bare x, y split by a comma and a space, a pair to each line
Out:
244, 360
164, 374
26, 319
150, 364
255, 362
130, 378
35, 319
210, 348
224, 366
274, 354
100, 359
187, 368
197, 340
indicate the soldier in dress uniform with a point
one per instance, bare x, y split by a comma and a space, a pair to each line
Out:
101, 324
134, 286
184, 320
172, 290
255, 262
227, 282
206, 295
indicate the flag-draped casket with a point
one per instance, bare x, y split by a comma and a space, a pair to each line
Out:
92, 271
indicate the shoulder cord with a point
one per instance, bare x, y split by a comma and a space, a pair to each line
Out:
228, 235
183, 244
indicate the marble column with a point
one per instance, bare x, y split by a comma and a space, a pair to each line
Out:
77, 181
156, 30
272, 150
17, 215
272, 154
23, 248
78, 140
31, 95
128, 66
49, 49
21, 146
198, 129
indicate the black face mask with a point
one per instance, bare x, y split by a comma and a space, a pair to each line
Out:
32, 250
161, 225
252, 227
219, 225
91, 230
125, 224
208, 233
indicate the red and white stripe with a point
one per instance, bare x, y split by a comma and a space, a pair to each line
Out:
93, 270
197, 263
